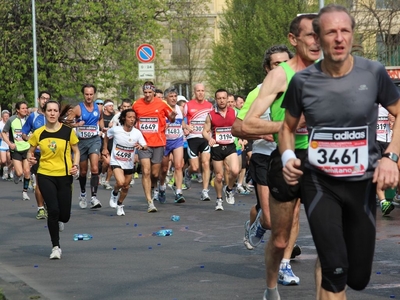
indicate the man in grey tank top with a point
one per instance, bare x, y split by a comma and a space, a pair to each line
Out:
339, 99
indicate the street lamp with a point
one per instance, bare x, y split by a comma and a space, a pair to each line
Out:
35, 79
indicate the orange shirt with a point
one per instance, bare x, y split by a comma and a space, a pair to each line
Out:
151, 120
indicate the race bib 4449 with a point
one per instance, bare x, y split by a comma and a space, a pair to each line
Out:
339, 152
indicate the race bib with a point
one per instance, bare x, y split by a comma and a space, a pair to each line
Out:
382, 126
18, 135
197, 126
123, 153
86, 132
173, 131
223, 135
148, 125
339, 152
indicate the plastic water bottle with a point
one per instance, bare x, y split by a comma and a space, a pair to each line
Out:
164, 232
175, 218
82, 237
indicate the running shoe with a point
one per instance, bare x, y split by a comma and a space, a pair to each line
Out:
179, 198
25, 196
41, 214
184, 187
193, 177
170, 173
151, 208
241, 190
296, 251
396, 199
136, 175
187, 179
205, 196
102, 180
248, 188
95, 203
286, 275
132, 182
155, 195
218, 205
60, 226
55, 253
246, 236
82, 201
386, 207
199, 178
120, 210
16, 178
161, 197
5, 173
107, 186
229, 196
11, 175
113, 200
171, 182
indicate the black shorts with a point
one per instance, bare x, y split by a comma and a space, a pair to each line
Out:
341, 215
126, 171
222, 151
196, 146
278, 187
35, 167
19, 155
258, 169
382, 146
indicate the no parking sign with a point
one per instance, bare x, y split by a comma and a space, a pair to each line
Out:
145, 53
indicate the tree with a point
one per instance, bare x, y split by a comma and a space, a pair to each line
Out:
248, 28
77, 42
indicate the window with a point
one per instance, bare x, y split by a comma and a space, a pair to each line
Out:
183, 89
180, 54
388, 47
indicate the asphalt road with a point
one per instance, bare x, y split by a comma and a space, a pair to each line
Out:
204, 259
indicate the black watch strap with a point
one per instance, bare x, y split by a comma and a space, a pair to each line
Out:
391, 156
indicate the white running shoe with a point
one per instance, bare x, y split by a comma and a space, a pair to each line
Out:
60, 226
107, 186
132, 182
155, 195
199, 178
82, 201
95, 203
25, 196
102, 180
187, 179
229, 196
120, 210
218, 205
286, 275
55, 253
246, 236
205, 196
113, 200
151, 208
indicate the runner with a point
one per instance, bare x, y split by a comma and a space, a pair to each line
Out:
284, 201
126, 139
217, 131
35, 121
151, 114
56, 141
174, 136
341, 172
196, 111
5, 158
90, 122
12, 135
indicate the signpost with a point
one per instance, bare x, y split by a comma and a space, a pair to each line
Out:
145, 53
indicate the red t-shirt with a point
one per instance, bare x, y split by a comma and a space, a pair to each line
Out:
151, 118
196, 114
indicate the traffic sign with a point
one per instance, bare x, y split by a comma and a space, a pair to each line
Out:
145, 53
146, 71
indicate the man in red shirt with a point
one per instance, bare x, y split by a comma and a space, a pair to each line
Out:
218, 133
151, 113
196, 111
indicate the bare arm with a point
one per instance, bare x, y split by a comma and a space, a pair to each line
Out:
75, 164
207, 131
75, 112
274, 84
7, 140
238, 132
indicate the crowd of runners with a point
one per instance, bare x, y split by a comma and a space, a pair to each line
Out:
285, 139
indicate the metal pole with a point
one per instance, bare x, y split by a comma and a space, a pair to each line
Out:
35, 72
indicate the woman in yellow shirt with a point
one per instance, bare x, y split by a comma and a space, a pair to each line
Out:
56, 169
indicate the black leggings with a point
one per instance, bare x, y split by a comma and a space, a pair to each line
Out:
57, 194
341, 215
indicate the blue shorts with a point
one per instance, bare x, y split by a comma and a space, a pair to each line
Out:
172, 145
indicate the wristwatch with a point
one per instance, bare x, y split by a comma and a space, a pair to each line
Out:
391, 156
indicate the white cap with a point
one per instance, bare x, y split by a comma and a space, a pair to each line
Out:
180, 97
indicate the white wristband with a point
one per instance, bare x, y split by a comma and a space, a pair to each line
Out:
286, 155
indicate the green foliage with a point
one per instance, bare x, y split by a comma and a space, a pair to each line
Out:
77, 42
